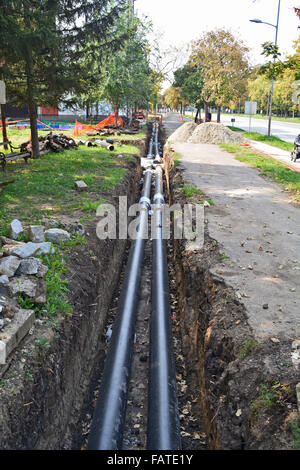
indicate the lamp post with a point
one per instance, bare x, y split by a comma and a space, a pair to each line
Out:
272, 85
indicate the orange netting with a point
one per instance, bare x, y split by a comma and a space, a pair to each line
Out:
82, 128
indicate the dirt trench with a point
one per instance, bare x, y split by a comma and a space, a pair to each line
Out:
243, 389
43, 392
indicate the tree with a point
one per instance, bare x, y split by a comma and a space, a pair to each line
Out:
42, 42
126, 75
190, 82
224, 66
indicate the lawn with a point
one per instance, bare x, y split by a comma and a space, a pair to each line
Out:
268, 167
45, 186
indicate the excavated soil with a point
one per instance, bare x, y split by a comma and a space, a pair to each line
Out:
183, 133
243, 390
212, 133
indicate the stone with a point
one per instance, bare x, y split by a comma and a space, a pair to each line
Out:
42, 271
16, 229
80, 185
27, 250
9, 265
45, 248
29, 266
57, 235
24, 285
77, 228
9, 248
1, 323
298, 396
15, 332
4, 279
36, 233
8, 306
41, 290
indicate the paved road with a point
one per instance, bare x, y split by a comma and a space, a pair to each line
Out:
257, 225
284, 130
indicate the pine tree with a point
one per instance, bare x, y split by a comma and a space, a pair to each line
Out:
43, 42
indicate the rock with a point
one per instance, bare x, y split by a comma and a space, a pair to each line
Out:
77, 228
15, 332
80, 185
36, 233
45, 248
57, 235
29, 266
4, 279
9, 265
298, 396
24, 285
42, 271
40, 295
8, 306
9, 241
9, 248
27, 250
1, 323
16, 229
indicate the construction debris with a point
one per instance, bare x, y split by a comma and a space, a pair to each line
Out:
51, 142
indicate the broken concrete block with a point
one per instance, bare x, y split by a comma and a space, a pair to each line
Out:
29, 266
57, 235
15, 332
27, 250
8, 306
9, 265
80, 185
40, 294
36, 233
16, 229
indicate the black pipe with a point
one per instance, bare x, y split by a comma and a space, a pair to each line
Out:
163, 418
109, 416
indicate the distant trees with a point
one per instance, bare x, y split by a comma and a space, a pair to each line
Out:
224, 66
43, 42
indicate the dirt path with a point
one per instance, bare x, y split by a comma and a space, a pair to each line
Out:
257, 225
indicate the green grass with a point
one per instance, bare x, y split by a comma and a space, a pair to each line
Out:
190, 191
248, 347
45, 187
268, 166
274, 141
177, 158
294, 425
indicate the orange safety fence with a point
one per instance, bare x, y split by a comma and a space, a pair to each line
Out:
82, 128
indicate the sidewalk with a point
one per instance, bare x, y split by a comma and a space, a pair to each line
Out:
278, 154
257, 226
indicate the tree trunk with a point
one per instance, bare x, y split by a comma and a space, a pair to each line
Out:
32, 106
4, 134
219, 114
206, 110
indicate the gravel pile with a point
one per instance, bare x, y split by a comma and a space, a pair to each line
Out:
183, 133
213, 133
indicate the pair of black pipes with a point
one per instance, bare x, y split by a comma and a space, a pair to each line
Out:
109, 416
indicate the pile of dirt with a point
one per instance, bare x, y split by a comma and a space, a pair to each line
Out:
213, 133
183, 133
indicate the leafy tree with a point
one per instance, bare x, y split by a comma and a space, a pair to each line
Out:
224, 67
190, 81
42, 42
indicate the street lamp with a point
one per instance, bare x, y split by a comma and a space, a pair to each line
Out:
272, 85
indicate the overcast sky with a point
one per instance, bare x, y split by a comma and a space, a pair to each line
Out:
185, 20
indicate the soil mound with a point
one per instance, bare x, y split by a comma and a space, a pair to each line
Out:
183, 133
213, 133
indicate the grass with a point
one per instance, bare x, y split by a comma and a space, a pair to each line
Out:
45, 187
274, 141
177, 158
268, 166
296, 433
248, 347
190, 191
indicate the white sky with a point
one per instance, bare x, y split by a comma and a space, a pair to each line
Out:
182, 21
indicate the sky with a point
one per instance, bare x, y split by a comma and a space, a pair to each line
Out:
182, 21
